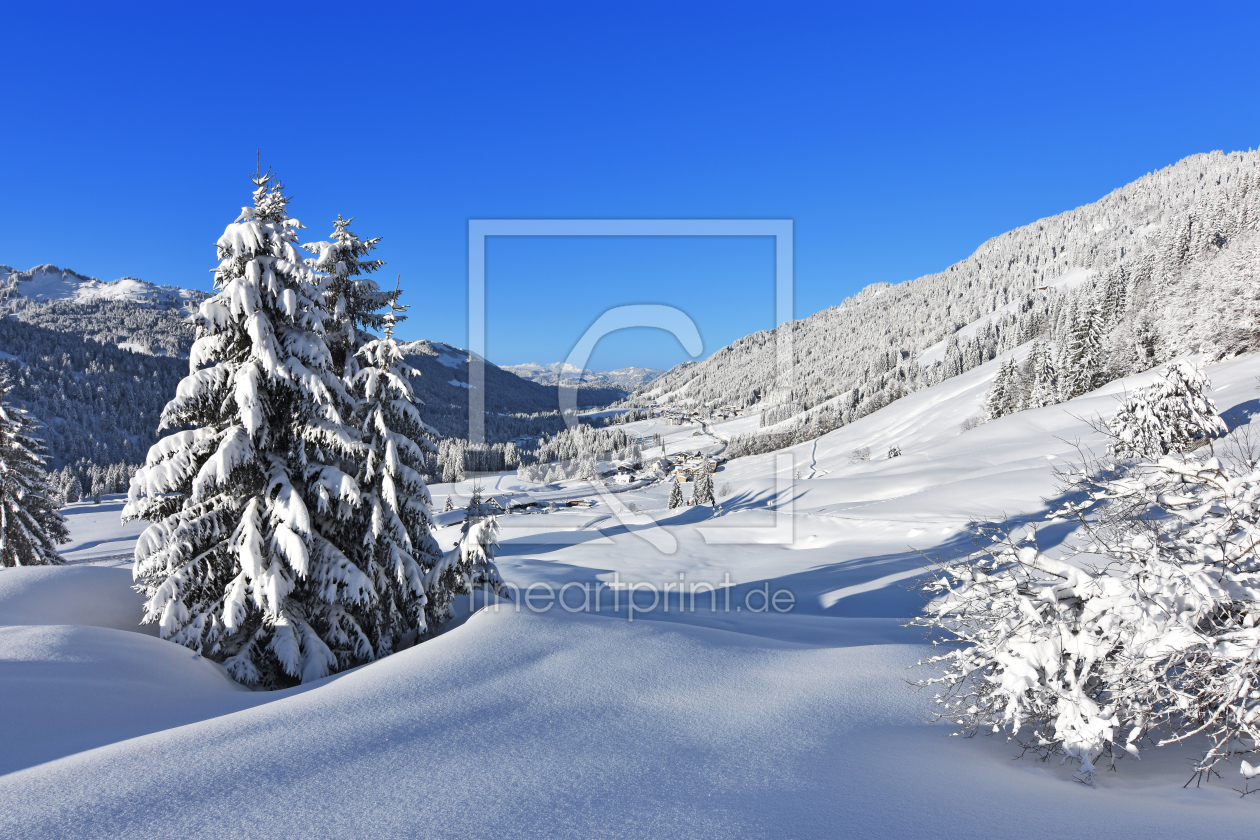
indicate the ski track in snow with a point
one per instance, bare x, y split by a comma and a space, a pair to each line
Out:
681, 723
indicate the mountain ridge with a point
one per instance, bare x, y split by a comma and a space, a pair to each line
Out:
1139, 246
627, 379
47, 283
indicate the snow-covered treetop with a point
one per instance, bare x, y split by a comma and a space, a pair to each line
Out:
1172, 415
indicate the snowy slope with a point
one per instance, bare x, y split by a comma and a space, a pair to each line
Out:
556, 724
1154, 237
48, 282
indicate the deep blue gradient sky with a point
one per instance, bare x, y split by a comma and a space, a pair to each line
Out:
898, 138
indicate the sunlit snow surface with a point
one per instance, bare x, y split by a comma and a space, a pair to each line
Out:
515, 724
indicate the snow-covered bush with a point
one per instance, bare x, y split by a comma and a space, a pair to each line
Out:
971, 423
1173, 415
862, 453
1146, 630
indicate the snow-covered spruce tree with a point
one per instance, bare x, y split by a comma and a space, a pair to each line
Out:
1041, 377
398, 550
675, 494
1172, 415
354, 302
703, 494
1145, 631
469, 565
449, 506
253, 504
73, 491
30, 525
1084, 357
1003, 396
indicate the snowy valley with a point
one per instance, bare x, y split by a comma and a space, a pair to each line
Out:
311, 606
679, 723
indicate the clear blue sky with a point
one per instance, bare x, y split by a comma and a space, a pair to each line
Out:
897, 137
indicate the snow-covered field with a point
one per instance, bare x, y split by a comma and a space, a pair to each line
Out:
575, 721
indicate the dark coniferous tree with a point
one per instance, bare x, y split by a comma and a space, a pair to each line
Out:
30, 525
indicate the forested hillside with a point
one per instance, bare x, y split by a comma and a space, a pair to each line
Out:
1154, 269
97, 371
515, 407
124, 324
1151, 270
100, 404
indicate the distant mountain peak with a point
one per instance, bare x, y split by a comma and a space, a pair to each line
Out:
45, 283
626, 379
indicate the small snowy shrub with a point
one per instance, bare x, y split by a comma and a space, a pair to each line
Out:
971, 423
862, 453
894, 452
1145, 631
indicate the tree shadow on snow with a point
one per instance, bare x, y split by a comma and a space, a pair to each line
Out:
1241, 414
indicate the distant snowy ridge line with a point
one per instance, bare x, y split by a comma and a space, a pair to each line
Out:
45, 283
627, 379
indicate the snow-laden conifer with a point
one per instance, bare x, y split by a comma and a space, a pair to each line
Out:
1172, 415
675, 494
1083, 358
703, 494
73, 491
354, 303
252, 502
1003, 396
30, 525
1042, 376
469, 565
393, 536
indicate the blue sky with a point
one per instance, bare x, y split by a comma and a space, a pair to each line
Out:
898, 137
